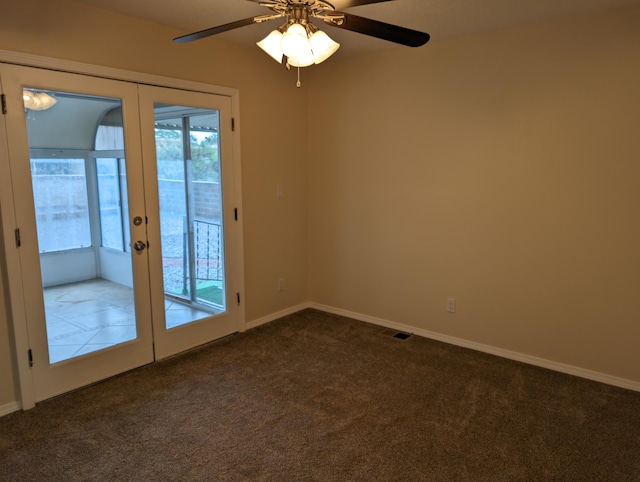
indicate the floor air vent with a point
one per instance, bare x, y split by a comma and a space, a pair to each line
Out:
401, 335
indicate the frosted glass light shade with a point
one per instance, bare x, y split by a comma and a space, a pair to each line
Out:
304, 61
271, 45
322, 46
294, 43
300, 49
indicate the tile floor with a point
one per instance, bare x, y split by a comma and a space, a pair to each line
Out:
92, 315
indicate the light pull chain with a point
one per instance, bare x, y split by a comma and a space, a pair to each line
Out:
298, 84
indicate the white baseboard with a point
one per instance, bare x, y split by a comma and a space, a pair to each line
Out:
275, 316
9, 408
511, 355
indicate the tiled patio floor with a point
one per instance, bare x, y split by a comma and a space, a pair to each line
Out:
92, 315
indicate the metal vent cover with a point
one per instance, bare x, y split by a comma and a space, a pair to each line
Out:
401, 335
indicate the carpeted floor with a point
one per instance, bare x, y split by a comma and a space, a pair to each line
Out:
318, 397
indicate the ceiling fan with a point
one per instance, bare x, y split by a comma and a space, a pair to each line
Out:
300, 43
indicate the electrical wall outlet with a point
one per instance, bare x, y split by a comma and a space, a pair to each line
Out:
451, 305
281, 284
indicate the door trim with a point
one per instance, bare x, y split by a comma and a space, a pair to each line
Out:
73, 67
17, 322
16, 311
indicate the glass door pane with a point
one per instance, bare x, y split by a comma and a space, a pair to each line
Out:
190, 197
86, 308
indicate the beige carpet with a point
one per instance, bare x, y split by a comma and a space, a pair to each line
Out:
317, 397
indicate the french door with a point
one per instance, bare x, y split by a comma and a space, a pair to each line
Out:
123, 197
189, 192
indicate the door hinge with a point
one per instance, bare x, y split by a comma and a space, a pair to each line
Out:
238, 295
235, 213
30, 354
233, 124
4, 104
18, 240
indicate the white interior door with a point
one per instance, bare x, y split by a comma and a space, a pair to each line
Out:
189, 184
82, 325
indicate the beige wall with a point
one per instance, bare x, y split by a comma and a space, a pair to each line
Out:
272, 123
500, 169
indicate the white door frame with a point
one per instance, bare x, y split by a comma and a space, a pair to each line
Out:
18, 321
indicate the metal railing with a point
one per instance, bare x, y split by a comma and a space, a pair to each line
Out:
207, 246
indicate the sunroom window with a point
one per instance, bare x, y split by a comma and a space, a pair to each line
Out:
61, 203
112, 181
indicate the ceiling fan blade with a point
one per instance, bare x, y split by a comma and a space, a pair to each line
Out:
385, 31
341, 4
215, 30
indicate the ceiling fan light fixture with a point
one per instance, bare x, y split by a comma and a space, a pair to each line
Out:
271, 45
295, 43
300, 43
322, 46
37, 100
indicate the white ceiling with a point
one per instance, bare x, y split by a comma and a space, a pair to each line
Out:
442, 19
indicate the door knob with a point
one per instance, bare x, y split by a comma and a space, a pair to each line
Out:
139, 246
